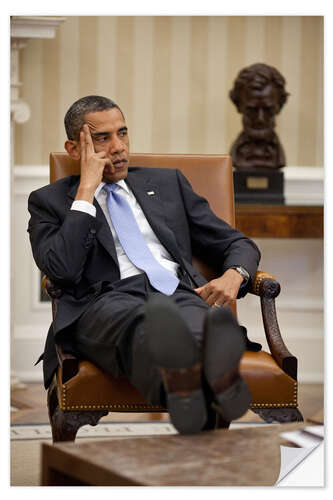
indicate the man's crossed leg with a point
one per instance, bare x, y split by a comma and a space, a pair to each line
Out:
177, 351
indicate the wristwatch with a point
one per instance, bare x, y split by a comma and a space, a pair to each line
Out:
243, 272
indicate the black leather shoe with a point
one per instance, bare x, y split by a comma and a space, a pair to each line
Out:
176, 354
223, 348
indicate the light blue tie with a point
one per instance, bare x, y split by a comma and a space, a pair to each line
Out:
134, 244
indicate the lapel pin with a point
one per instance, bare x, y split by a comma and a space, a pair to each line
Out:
151, 193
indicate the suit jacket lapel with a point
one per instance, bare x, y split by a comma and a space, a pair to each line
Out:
148, 196
104, 234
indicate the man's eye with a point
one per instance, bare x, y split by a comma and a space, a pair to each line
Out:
123, 133
102, 138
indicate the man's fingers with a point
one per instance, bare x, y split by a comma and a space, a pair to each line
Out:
225, 301
221, 291
212, 296
204, 293
105, 161
89, 145
222, 299
103, 156
216, 298
209, 295
82, 147
212, 299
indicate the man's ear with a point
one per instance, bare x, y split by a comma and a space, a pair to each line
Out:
73, 149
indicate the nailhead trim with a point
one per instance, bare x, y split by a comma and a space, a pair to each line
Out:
293, 404
259, 280
277, 405
115, 407
143, 406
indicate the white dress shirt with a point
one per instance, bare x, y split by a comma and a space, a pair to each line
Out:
157, 249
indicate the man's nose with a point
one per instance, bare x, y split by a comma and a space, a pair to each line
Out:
116, 145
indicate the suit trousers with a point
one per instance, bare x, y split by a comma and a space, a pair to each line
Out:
110, 333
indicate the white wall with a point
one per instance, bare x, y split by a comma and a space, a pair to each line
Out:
298, 266
30, 317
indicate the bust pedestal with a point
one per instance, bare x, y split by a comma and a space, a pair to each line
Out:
259, 187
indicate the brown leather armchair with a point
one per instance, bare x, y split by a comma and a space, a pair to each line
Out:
81, 393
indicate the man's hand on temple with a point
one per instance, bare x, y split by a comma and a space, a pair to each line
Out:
222, 291
92, 166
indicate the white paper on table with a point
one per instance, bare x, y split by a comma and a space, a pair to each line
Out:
316, 430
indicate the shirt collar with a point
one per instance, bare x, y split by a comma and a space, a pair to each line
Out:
120, 183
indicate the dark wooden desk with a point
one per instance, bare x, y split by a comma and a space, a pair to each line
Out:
280, 221
237, 457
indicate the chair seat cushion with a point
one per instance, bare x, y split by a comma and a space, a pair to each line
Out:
270, 386
92, 389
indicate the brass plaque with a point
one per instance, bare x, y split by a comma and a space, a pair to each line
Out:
257, 182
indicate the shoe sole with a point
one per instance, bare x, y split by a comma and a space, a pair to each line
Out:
223, 349
176, 353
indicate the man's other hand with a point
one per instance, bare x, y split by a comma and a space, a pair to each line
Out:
222, 291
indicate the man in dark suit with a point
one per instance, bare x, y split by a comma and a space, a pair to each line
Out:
119, 241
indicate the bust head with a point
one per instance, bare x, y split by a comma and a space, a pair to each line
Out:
259, 94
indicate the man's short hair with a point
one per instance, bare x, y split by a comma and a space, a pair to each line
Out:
75, 116
257, 76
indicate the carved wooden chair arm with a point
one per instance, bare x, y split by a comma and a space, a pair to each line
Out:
267, 288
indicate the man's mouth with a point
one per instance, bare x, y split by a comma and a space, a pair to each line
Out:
119, 163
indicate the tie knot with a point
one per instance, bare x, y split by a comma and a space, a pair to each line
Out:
110, 188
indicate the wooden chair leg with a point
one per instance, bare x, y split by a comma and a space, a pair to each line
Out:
65, 424
281, 415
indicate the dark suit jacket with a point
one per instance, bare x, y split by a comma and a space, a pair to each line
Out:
77, 252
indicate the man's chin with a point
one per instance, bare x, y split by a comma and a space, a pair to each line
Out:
116, 176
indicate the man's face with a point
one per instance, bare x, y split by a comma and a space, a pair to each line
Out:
109, 133
259, 108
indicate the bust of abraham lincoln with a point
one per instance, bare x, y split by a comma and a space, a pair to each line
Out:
259, 95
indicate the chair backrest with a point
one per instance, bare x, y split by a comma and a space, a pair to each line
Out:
209, 175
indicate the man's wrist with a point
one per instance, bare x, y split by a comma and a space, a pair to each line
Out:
242, 272
85, 193
232, 274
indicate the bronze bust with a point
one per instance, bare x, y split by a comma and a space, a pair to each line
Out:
259, 95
